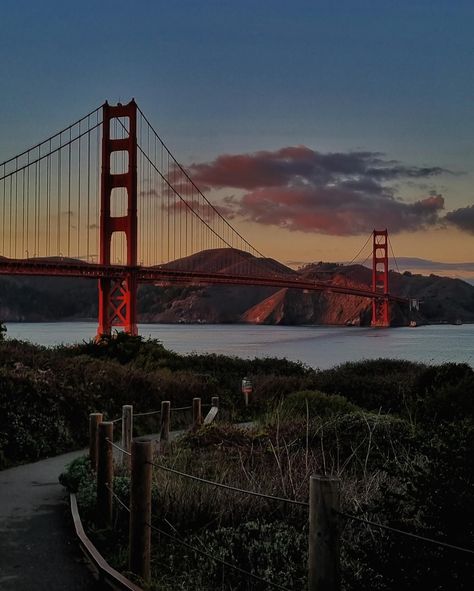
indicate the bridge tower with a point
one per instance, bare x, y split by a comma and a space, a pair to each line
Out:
380, 305
118, 294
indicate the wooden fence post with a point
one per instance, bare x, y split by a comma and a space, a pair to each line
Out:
215, 401
127, 433
165, 421
140, 508
324, 558
105, 474
197, 416
94, 419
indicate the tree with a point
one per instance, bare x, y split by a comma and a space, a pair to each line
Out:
3, 330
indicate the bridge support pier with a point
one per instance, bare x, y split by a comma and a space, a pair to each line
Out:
118, 296
380, 305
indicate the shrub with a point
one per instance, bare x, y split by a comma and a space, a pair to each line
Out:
316, 404
274, 551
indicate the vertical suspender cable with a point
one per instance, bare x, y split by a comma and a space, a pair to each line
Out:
16, 210
58, 209
79, 194
4, 181
69, 199
35, 250
28, 208
23, 214
88, 190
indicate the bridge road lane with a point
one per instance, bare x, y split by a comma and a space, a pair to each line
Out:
37, 548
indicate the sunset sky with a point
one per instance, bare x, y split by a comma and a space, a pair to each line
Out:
309, 122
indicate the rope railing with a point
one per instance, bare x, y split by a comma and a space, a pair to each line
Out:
230, 487
208, 555
323, 508
117, 447
146, 414
405, 533
217, 559
117, 498
303, 504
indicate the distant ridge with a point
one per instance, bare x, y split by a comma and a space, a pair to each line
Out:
47, 298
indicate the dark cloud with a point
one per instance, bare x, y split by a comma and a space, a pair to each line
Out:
335, 210
335, 193
462, 218
293, 165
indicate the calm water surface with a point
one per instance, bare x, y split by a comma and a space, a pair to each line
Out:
316, 346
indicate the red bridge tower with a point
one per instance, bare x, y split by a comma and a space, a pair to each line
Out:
118, 296
380, 305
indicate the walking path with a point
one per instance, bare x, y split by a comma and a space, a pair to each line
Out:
37, 549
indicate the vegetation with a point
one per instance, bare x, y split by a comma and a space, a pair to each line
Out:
400, 436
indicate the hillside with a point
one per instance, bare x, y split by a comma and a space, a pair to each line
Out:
48, 299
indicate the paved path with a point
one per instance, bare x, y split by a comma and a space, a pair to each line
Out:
37, 548
38, 551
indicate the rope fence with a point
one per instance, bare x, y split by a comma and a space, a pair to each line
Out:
217, 559
212, 557
229, 487
405, 533
137, 455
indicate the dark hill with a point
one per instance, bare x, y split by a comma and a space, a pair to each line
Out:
48, 298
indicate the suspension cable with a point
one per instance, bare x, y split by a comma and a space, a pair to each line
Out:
393, 255
360, 251
58, 134
183, 170
40, 158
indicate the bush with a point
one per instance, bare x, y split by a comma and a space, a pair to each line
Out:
77, 474
379, 384
316, 404
274, 551
433, 499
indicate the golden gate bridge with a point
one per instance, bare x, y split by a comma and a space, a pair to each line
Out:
104, 198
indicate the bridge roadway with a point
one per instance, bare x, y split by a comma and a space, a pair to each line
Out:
164, 275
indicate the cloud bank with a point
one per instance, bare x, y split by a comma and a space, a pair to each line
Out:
462, 218
333, 193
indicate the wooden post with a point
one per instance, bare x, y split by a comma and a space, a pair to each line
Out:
127, 433
324, 559
165, 421
197, 416
140, 508
94, 419
215, 401
105, 474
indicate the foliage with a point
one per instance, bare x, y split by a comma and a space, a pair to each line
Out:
378, 384
273, 551
77, 473
399, 435
54, 390
316, 404
432, 498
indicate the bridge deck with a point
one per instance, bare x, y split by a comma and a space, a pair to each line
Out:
165, 276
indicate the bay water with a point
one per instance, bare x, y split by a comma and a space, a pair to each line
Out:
316, 346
